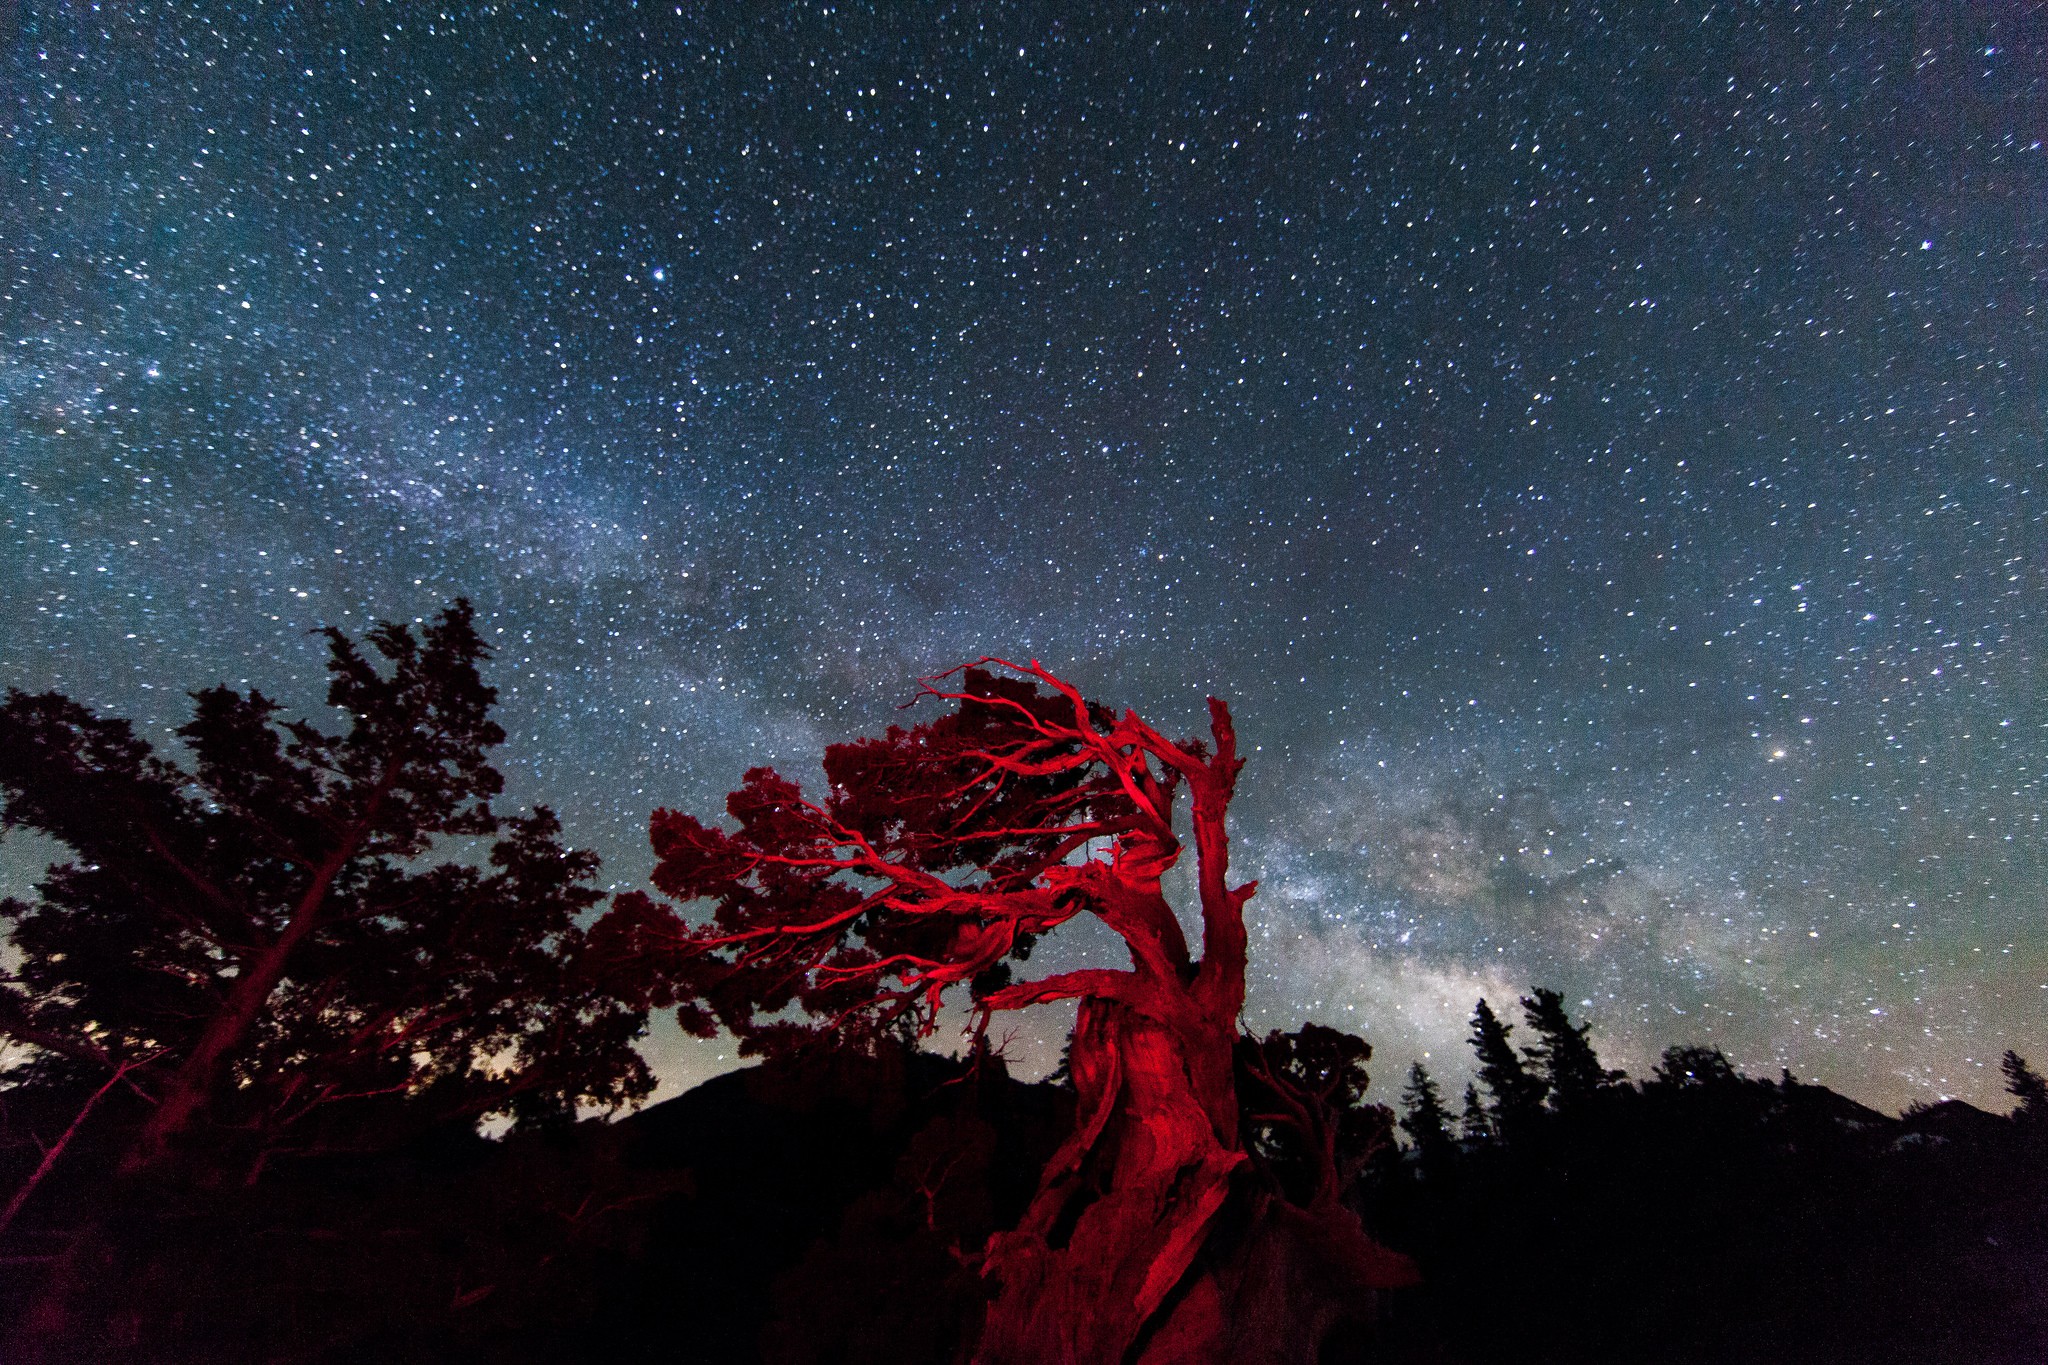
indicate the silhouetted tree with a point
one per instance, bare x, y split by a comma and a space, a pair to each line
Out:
261, 945
1517, 1093
264, 926
1847, 1235
1693, 1065
1474, 1123
1423, 1116
1062, 1073
939, 854
1304, 1112
2026, 1085
1567, 1064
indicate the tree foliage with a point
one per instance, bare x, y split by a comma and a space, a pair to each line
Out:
268, 925
1304, 1104
1475, 1124
2027, 1086
937, 857
1635, 1220
1517, 1092
1693, 1065
1563, 1053
1423, 1116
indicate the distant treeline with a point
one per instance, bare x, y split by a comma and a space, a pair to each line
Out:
1563, 1212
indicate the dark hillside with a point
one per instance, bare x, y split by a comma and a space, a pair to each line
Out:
595, 1241
818, 1211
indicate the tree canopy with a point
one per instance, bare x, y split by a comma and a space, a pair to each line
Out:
304, 933
938, 855
937, 858
2027, 1086
1517, 1091
1563, 1052
1423, 1116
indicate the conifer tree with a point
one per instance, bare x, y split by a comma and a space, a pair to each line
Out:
1475, 1124
1517, 1094
307, 938
938, 855
1423, 1116
1563, 1055
1304, 1113
264, 935
1695, 1065
2027, 1086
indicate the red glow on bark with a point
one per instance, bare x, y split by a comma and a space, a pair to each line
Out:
939, 855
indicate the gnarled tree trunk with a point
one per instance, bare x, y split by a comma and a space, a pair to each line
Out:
1151, 1236
1151, 1240
1123, 1209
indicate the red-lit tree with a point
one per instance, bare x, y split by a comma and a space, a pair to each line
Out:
939, 855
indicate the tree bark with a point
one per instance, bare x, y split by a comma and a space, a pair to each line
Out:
44, 1330
1152, 1236
1123, 1209
1151, 1239
189, 1088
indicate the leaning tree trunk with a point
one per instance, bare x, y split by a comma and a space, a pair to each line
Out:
50, 1322
1152, 1239
1123, 1209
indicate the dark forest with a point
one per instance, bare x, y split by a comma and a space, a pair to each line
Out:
263, 1015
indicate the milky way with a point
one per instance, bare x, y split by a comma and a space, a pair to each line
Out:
1600, 454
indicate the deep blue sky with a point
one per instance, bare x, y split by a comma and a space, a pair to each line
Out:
1598, 452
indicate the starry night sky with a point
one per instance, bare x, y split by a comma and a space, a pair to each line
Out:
1599, 452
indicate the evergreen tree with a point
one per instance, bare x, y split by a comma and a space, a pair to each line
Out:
1564, 1056
1693, 1065
939, 854
265, 938
1475, 1125
2026, 1085
1423, 1116
1517, 1094
1305, 1119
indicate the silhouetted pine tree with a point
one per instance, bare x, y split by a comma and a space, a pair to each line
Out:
1475, 1125
305, 941
1517, 1094
1692, 1065
266, 936
1423, 1116
1566, 1060
2026, 1085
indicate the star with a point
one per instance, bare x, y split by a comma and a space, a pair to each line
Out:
1523, 425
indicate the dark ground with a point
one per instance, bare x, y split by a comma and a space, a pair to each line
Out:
795, 1214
